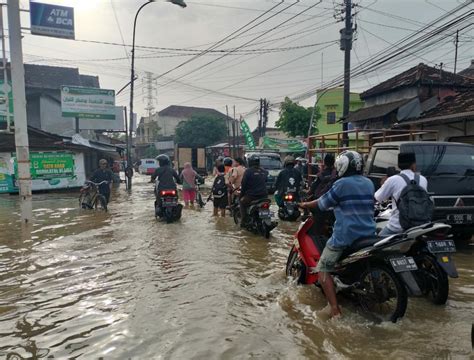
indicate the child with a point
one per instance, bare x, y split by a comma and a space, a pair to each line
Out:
219, 191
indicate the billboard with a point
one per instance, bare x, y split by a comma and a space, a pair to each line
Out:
87, 103
52, 20
106, 125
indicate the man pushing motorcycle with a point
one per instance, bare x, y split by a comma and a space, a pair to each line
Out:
352, 198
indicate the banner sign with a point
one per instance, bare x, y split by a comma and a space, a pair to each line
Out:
50, 165
291, 145
248, 135
6, 179
52, 20
87, 103
6, 104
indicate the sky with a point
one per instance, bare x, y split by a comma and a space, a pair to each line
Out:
260, 48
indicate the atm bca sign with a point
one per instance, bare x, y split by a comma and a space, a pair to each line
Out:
52, 20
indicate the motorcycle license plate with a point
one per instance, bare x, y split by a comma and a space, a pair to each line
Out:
403, 263
264, 213
169, 202
441, 246
459, 218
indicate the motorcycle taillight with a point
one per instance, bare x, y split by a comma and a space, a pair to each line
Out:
289, 197
265, 205
168, 193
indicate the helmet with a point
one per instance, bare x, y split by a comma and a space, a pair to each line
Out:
254, 160
289, 160
349, 163
163, 159
228, 161
220, 158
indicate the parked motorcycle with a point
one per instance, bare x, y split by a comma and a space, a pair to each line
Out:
167, 206
289, 211
373, 272
432, 250
259, 217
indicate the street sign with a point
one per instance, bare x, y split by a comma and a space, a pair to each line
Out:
52, 20
87, 103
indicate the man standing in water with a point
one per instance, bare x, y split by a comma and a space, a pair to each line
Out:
103, 173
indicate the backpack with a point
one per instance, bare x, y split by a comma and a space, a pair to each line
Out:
414, 205
219, 188
325, 183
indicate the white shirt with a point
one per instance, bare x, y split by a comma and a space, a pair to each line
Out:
392, 188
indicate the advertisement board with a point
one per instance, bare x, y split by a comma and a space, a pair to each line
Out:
6, 104
6, 178
52, 20
106, 125
88, 103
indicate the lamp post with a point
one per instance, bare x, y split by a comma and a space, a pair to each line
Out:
132, 80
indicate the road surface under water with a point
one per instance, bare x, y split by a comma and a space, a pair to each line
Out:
85, 284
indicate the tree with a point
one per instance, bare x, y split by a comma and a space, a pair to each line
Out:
295, 119
201, 130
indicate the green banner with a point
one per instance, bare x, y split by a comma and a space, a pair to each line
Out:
248, 135
291, 145
6, 179
49, 165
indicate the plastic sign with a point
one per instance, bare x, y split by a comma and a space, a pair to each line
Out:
52, 20
247, 135
87, 103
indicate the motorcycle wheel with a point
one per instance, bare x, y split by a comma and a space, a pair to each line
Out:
100, 202
168, 215
236, 215
295, 268
433, 279
382, 293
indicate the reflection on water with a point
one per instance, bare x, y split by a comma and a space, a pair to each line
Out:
120, 284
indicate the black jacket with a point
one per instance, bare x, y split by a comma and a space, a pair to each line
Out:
102, 175
254, 183
288, 180
166, 177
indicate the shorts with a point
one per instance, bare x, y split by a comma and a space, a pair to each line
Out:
329, 257
189, 194
220, 203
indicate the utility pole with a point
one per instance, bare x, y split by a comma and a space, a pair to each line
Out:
19, 111
265, 116
260, 119
456, 51
228, 128
346, 46
6, 85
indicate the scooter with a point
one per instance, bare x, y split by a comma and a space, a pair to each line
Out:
167, 206
259, 217
373, 272
432, 252
289, 211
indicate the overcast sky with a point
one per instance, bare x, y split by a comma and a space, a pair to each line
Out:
300, 44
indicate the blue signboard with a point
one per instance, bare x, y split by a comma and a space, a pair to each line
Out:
52, 20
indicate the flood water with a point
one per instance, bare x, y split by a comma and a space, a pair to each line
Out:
117, 285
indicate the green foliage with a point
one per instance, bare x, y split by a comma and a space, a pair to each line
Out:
201, 130
295, 119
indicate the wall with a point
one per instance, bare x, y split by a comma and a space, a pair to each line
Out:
332, 101
454, 130
51, 119
405, 93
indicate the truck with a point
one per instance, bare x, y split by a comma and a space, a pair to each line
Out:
195, 155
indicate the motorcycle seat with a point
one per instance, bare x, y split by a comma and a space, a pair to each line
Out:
362, 243
259, 201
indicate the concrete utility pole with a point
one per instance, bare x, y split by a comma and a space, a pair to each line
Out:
6, 86
19, 110
346, 46
456, 51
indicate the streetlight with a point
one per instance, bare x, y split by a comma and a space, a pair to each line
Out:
132, 80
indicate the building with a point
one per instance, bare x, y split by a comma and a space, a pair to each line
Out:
163, 124
330, 103
412, 100
468, 72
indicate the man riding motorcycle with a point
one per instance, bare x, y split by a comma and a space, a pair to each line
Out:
288, 181
352, 197
253, 186
167, 177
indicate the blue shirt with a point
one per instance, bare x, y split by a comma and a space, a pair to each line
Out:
352, 198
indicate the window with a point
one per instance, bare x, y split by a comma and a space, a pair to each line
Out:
270, 163
384, 158
331, 117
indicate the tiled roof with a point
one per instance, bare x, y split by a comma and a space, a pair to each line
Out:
420, 74
468, 72
189, 111
463, 102
376, 111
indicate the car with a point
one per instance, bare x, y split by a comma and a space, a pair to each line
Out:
271, 162
147, 166
449, 169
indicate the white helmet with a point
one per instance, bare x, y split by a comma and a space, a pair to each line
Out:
349, 163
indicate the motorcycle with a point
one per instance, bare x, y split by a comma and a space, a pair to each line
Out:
259, 217
289, 211
167, 206
373, 272
432, 250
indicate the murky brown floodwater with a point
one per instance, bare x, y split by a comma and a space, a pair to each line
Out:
121, 285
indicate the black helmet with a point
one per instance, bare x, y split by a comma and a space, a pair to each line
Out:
163, 159
228, 161
254, 160
289, 160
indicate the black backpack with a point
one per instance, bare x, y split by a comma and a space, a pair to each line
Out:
414, 205
219, 188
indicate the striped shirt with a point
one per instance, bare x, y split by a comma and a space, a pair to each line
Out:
352, 198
